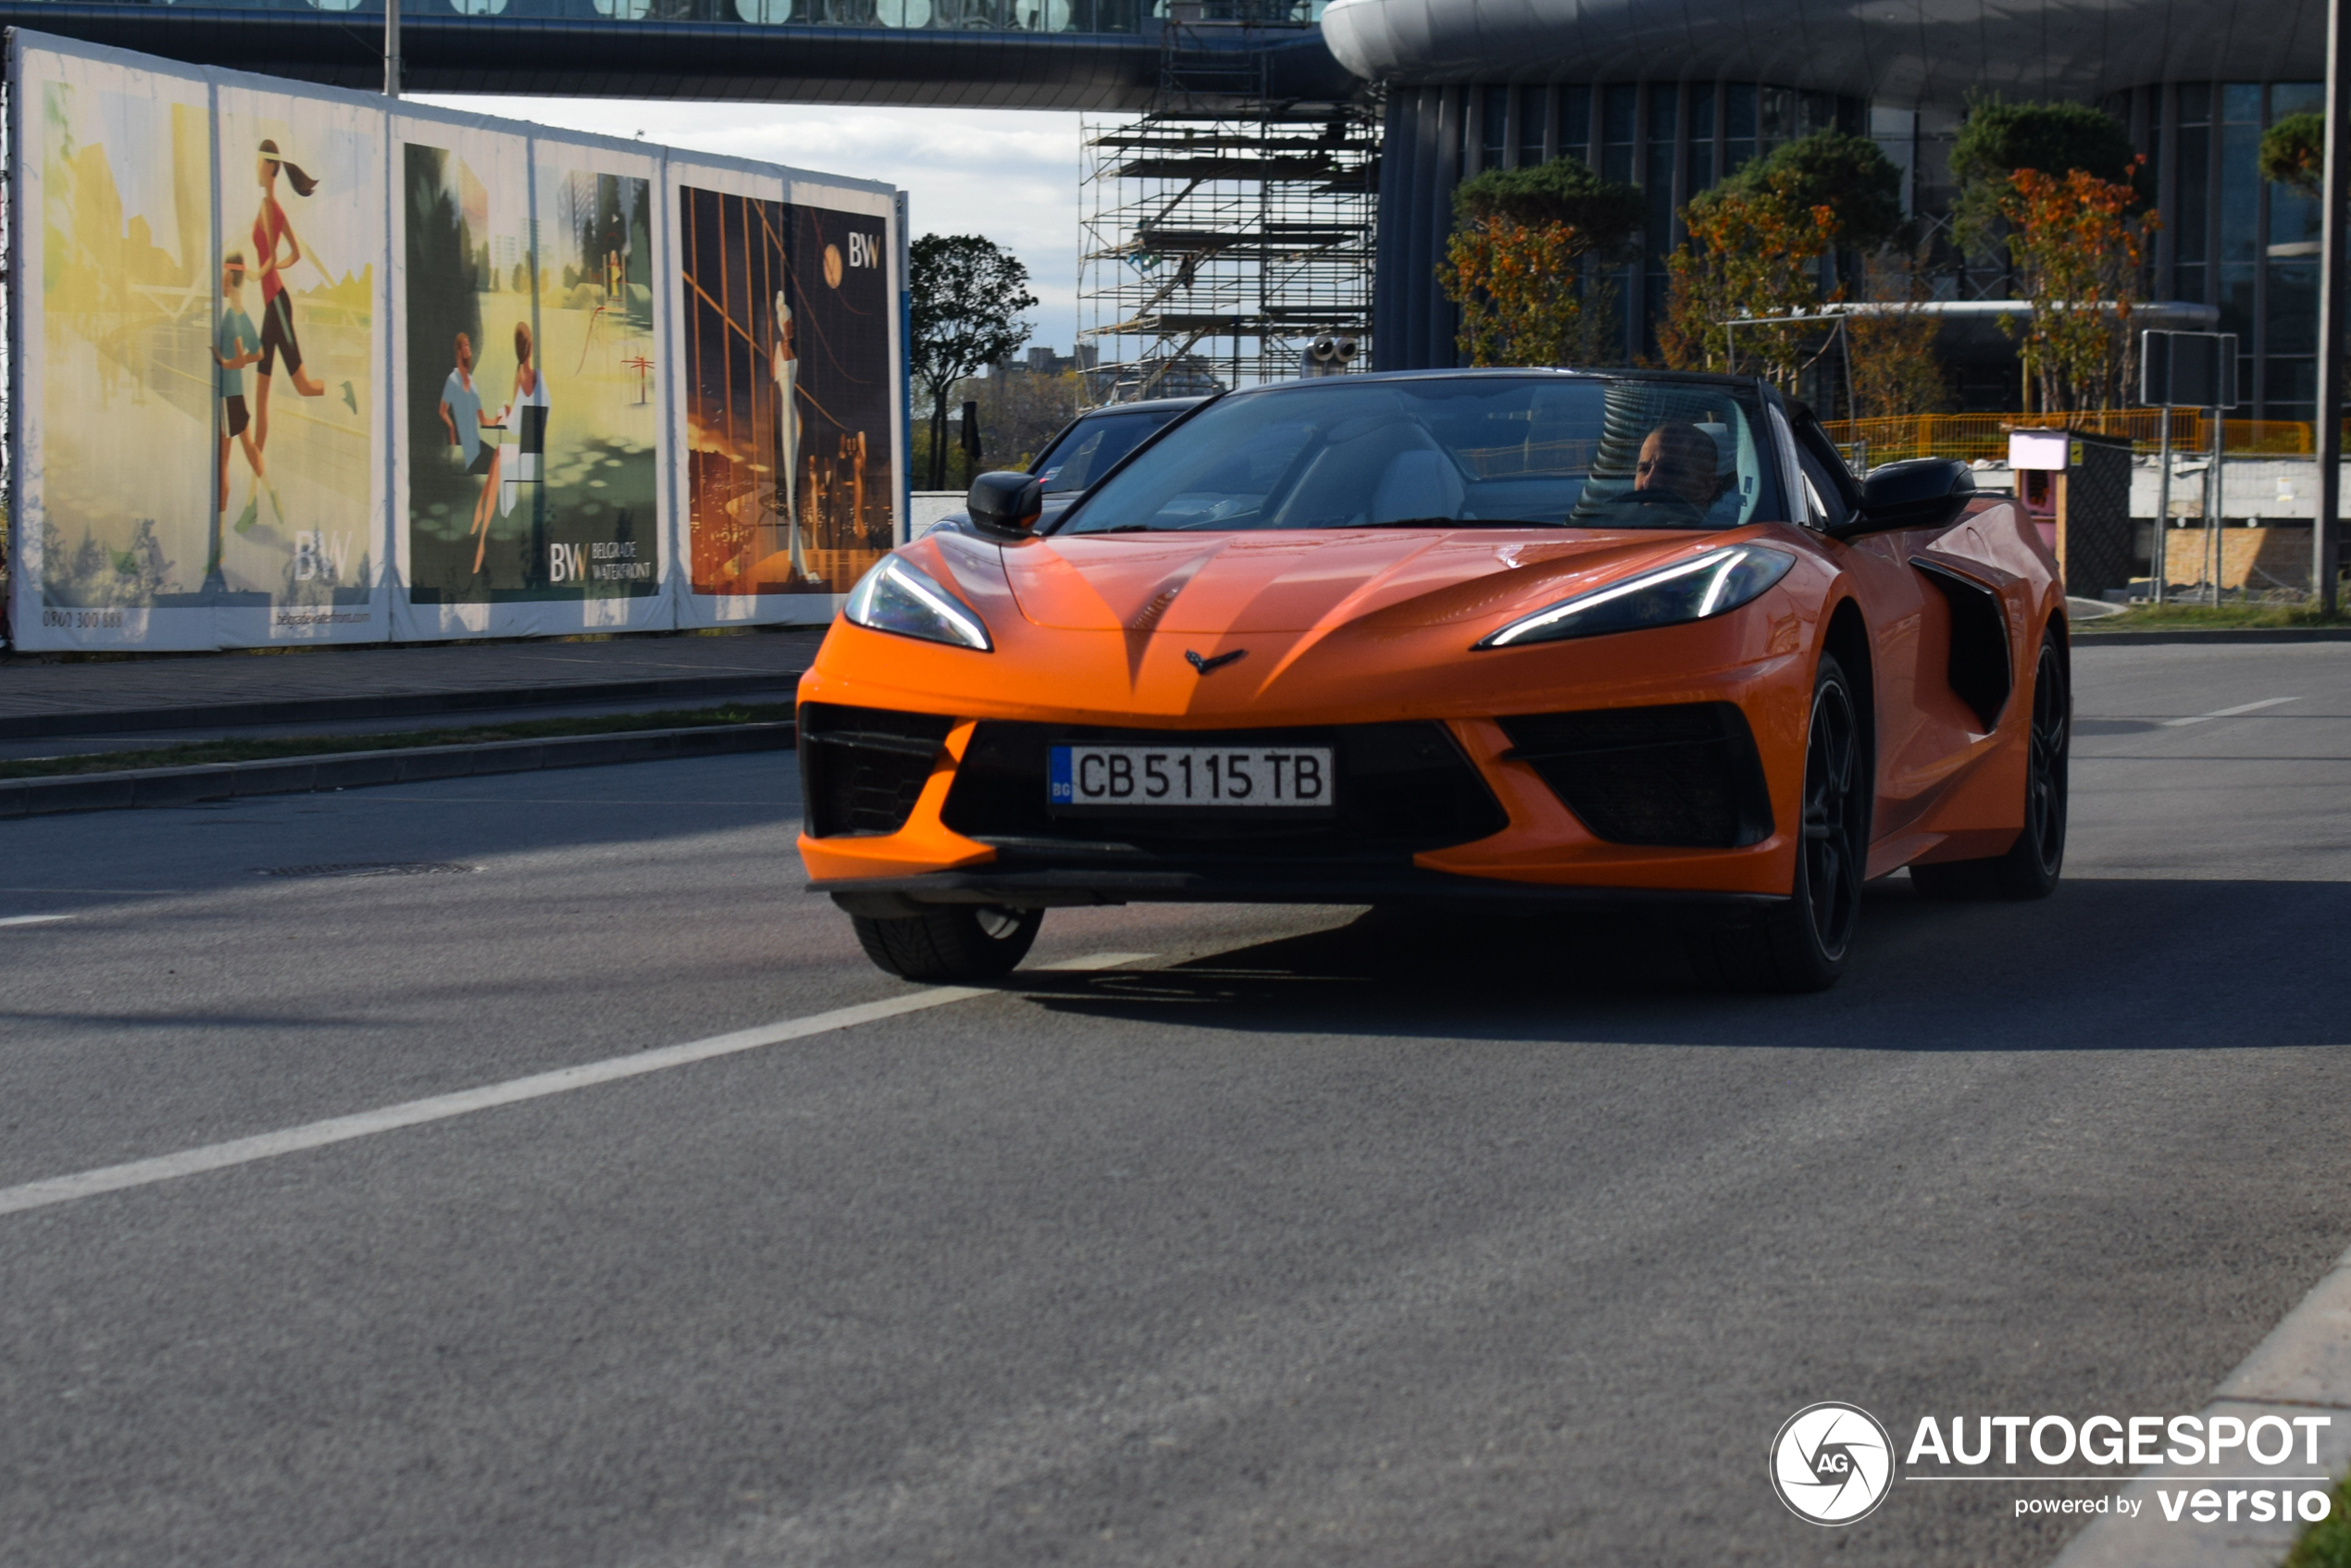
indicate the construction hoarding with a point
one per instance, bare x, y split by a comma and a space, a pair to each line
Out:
297, 365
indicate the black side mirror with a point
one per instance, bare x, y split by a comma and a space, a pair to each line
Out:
1005, 503
1925, 492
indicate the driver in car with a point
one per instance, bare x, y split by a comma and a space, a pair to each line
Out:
1679, 460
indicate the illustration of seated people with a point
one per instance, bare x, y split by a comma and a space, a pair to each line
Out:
277, 249
514, 468
235, 345
463, 417
782, 555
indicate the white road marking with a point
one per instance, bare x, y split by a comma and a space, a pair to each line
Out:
2231, 713
441, 1107
1093, 961
33, 919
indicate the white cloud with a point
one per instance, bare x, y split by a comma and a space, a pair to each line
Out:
1010, 174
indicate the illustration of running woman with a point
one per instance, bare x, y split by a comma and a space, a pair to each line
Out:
277, 247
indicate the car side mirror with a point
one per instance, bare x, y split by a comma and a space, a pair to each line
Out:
1925, 492
1005, 503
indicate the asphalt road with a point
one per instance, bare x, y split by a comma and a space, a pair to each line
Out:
1311, 1239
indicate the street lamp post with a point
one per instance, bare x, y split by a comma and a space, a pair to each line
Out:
391, 48
2331, 324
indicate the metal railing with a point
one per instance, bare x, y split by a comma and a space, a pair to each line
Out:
1975, 437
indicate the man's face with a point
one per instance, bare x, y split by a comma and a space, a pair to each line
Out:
1662, 468
232, 278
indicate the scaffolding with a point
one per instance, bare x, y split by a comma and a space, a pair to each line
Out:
1224, 229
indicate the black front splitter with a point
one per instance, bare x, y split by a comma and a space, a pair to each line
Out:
888, 896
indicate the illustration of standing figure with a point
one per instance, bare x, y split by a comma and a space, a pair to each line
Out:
462, 416
520, 460
784, 367
277, 246
235, 345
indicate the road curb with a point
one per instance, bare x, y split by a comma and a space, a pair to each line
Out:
2302, 1368
149, 787
2086, 635
390, 705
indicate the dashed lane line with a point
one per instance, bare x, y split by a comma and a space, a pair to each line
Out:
441, 1107
2229, 712
34, 919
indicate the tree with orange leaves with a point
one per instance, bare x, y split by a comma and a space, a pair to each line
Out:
2077, 249
1754, 253
1514, 266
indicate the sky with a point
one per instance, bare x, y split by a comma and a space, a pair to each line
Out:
1008, 174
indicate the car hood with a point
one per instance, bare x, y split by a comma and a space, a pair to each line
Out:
1304, 581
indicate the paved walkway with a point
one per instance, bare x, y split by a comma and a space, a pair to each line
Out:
30, 687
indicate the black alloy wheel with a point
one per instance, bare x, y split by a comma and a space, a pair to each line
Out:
2031, 867
1802, 944
1836, 819
949, 943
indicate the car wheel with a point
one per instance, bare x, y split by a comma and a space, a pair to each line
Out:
1802, 944
951, 944
2031, 867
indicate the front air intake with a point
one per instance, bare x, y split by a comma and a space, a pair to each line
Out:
861, 769
1685, 776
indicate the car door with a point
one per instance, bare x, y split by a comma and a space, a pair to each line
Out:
1925, 733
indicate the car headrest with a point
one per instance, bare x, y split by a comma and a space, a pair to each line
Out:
1417, 484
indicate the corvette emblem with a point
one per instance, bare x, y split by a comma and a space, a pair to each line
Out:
1207, 667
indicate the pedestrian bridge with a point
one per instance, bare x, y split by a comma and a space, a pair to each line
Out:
994, 53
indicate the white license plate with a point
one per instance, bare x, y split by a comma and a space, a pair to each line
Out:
1277, 777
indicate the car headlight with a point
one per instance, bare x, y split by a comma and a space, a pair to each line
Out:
1687, 591
899, 597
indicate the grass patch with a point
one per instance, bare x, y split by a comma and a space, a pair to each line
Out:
397, 741
2326, 1544
2216, 617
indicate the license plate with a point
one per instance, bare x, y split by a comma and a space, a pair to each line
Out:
1274, 778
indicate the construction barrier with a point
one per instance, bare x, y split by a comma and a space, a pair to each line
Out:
1985, 437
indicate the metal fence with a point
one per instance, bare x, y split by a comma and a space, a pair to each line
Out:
1986, 436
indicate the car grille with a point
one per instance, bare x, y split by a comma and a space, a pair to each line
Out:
1681, 776
1400, 789
861, 769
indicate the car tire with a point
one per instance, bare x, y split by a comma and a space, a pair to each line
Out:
2031, 867
1803, 944
951, 944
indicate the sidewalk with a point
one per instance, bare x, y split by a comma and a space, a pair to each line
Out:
309, 685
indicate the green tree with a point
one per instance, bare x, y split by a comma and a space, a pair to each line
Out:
1606, 213
968, 293
1999, 138
2294, 151
1851, 176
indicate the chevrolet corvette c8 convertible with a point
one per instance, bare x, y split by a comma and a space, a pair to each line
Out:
1524, 639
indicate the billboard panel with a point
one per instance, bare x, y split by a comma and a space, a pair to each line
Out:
533, 472
789, 405
119, 395
292, 364
298, 452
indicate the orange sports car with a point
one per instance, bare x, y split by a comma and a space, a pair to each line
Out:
1534, 639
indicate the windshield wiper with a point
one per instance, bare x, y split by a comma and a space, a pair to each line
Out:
1457, 523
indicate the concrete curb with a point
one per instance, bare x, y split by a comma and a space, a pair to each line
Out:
2303, 1368
347, 770
395, 705
2087, 634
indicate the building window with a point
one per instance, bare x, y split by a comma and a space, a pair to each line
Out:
1738, 127
1534, 110
1575, 121
1620, 122
2195, 176
1494, 127
1702, 137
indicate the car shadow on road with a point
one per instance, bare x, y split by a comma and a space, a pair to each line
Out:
2112, 964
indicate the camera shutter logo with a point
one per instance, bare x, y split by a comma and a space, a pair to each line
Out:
1831, 1463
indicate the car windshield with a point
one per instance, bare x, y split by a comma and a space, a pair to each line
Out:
1350, 452
1087, 448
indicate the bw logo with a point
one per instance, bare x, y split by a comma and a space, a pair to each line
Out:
1831, 1463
